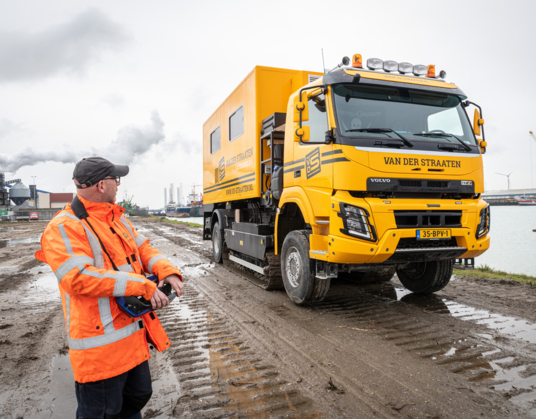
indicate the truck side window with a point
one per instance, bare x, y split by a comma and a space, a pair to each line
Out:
236, 123
318, 120
215, 140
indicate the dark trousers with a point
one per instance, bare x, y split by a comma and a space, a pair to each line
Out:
117, 397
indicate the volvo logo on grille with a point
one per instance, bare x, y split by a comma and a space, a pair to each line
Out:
467, 182
379, 180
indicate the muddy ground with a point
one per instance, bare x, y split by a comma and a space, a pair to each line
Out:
367, 351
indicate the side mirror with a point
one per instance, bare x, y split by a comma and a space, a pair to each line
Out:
477, 122
302, 134
300, 105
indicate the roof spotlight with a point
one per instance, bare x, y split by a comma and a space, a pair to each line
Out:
420, 70
390, 65
374, 64
404, 68
443, 74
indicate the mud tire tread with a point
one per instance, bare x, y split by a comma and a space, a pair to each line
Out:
436, 276
218, 257
315, 289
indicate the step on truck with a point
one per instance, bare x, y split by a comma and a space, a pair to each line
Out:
357, 173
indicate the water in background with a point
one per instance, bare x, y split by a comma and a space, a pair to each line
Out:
196, 220
513, 243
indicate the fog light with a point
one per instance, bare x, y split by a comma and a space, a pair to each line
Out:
374, 63
390, 66
405, 68
420, 70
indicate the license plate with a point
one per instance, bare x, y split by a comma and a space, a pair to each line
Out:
433, 234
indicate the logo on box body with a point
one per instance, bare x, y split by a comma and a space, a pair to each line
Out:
222, 168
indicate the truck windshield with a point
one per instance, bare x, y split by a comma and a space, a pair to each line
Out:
380, 112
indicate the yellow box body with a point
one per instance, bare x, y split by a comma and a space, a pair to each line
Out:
233, 172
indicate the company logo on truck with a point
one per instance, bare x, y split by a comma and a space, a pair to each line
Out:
222, 168
312, 163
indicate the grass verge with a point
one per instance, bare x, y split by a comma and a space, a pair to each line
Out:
182, 222
486, 272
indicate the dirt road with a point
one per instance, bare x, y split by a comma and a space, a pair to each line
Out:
367, 351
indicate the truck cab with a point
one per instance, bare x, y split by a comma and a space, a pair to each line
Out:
374, 171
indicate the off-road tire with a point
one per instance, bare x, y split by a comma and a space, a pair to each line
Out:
426, 277
298, 270
217, 243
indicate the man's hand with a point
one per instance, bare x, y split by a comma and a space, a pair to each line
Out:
159, 299
175, 281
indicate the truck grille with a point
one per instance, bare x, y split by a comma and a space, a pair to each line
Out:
413, 219
413, 243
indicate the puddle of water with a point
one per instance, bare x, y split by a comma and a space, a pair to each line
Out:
60, 402
14, 242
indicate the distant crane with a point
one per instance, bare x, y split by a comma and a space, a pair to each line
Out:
507, 176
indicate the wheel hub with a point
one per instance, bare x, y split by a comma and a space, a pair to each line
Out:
216, 241
294, 265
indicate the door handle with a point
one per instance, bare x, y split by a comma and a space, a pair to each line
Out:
297, 173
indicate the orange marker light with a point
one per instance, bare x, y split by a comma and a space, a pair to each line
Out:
357, 61
431, 71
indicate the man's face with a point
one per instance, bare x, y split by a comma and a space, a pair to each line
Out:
110, 190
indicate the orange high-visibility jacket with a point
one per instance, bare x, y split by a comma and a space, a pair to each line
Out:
103, 341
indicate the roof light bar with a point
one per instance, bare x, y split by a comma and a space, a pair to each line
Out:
374, 64
390, 65
404, 68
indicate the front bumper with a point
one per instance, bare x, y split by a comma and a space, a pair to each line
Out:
336, 247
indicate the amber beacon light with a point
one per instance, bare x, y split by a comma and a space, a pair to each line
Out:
357, 61
431, 71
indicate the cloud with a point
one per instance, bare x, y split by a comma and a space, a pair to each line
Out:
131, 142
114, 100
70, 47
8, 127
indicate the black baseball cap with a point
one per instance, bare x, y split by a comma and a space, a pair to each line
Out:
91, 170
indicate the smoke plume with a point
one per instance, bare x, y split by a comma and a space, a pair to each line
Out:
132, 141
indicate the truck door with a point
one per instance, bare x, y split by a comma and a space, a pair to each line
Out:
314, 173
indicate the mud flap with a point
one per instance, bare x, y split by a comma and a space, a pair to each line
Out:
325, 270
464, 264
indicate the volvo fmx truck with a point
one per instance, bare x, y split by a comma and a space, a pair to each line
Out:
357, 173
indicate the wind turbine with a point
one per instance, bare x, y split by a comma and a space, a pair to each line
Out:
507, 176
534, 138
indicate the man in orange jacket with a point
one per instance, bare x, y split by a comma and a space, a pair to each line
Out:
97, 255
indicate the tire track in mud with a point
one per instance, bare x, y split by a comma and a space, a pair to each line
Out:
220, 375
495, 361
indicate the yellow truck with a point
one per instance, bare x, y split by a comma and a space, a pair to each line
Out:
359, 172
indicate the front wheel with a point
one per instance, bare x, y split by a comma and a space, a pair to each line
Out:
298, 270
426, 277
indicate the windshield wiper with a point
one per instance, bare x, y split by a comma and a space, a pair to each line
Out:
383, 131
441, 134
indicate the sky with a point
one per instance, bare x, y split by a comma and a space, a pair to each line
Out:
134, 81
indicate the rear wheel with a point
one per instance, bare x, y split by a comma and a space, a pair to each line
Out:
298, 270
426, 277
217, 243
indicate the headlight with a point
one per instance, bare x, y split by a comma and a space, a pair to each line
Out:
356, 222
485, 222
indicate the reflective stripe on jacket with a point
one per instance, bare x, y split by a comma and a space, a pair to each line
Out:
103, 341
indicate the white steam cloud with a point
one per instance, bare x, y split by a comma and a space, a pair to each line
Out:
132, 141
